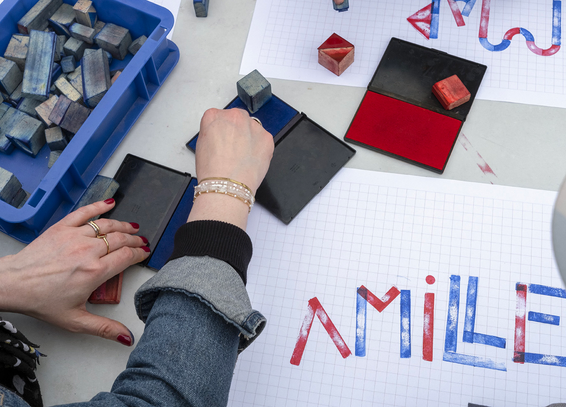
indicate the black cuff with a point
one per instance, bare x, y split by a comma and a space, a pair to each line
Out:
220, 240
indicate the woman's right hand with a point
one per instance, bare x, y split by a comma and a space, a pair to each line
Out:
232, 145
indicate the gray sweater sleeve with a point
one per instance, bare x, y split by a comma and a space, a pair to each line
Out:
207, 272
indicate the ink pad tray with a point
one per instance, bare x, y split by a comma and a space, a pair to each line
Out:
305, 159
399, 116
158, 198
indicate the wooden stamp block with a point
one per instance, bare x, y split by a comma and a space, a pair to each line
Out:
114, 39
75, 48
75, 78
254, 90
55, 139
17, 50
60, 109
65, 88
96, 77
20, 198
16, 95
3, 108
451, 92
10, 76
39, 64
109, 292
344, 6
201, 8
28, 134
53, 156
137, 44
56, 72
82, 32
85, 13
98, 27
68, 64
28, 105
116, 76
59, 46
44, 110
62, 20
6, 145
36, 18
100, 189
336, 54
108, 54
9, 185
74, 118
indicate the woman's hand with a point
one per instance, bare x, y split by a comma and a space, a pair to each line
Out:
52, 278
230, 145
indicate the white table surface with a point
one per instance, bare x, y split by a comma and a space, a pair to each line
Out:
524, 145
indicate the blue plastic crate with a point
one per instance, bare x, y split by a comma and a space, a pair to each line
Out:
55, 191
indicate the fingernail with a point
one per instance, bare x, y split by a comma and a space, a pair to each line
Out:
135, 225
109, 201
132, 336
144, 239
125, 340
146, 249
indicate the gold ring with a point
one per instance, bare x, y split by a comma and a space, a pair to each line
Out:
257, 120
94, 226
103, 237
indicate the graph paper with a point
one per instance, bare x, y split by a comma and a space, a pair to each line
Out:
394, 290
284, 36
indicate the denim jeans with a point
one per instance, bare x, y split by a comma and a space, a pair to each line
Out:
198, 317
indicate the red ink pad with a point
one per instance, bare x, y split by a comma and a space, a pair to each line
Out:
404, 131
400, 116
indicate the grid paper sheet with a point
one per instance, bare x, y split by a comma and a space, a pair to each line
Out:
284, 37
485, 253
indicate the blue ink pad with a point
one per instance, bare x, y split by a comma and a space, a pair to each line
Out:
399, 115
274, 115
305, 159
158, 198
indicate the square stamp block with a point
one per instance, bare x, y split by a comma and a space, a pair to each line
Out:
336, 54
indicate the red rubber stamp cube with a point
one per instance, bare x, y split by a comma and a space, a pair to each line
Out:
336, 54
451, 92
109, 292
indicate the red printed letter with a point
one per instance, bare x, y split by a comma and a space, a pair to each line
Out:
315, 307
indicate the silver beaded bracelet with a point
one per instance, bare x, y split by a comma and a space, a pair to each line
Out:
225, 186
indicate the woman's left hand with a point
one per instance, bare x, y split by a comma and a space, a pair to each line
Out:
52, 278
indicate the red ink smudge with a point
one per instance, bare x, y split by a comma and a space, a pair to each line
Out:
482, 164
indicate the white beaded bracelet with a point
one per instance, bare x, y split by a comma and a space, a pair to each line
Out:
225, 186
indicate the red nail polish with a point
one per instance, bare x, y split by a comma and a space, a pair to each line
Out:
124, 340
109, 201
144, 239
145, 249
135, 225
